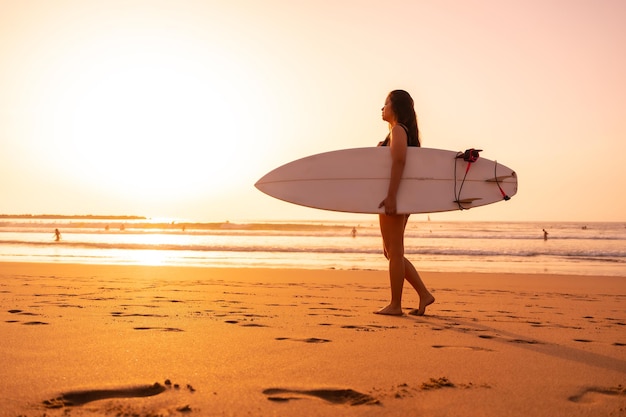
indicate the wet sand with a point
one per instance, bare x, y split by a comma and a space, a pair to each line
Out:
90, 340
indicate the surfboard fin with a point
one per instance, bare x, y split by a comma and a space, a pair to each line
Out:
467, 200
499, 179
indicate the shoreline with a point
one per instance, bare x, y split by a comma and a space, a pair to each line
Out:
280, 271
537, 269
83, 340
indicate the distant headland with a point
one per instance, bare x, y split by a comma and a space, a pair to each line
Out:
71, 217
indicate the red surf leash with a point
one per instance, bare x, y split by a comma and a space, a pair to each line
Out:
495, 175
470, 156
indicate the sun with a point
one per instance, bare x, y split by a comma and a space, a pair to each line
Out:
152, 113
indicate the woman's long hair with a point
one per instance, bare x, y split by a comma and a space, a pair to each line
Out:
403, 108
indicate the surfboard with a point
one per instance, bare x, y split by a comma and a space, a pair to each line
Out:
356, 181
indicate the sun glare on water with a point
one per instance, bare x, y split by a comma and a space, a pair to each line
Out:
152, 256
148, 257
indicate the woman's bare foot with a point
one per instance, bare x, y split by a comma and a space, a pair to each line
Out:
390, 311
425, 302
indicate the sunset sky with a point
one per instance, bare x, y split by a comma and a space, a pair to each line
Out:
173, 109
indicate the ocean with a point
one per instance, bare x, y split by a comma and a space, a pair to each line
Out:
570, 248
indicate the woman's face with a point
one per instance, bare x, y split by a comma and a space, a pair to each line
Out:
388, 115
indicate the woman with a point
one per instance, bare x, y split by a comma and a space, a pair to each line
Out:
399, 112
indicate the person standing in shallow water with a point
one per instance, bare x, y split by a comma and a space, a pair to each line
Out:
399, 112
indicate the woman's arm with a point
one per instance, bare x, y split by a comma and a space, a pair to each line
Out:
398, 147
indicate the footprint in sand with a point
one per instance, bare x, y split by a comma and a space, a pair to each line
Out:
334, 396
309, 340
593, 394
76, 398
437, 383
443, 382
368, 327
525, 342
247, 324
120, 314
477, 348
22, 313
162, 329
517, 341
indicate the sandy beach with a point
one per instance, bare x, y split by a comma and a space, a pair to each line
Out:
88, 340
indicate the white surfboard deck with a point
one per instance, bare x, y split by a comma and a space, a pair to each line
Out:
356, 181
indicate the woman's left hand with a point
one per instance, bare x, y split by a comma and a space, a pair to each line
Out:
390, 206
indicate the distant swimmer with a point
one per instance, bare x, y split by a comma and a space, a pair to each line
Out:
57, 235
545, 234
354, 232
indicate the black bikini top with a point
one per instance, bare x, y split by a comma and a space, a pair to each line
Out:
408, 139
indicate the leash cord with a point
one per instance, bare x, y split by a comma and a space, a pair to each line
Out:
495, 175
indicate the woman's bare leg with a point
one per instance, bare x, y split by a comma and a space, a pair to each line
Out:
413, 277
400, 268
392, 230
